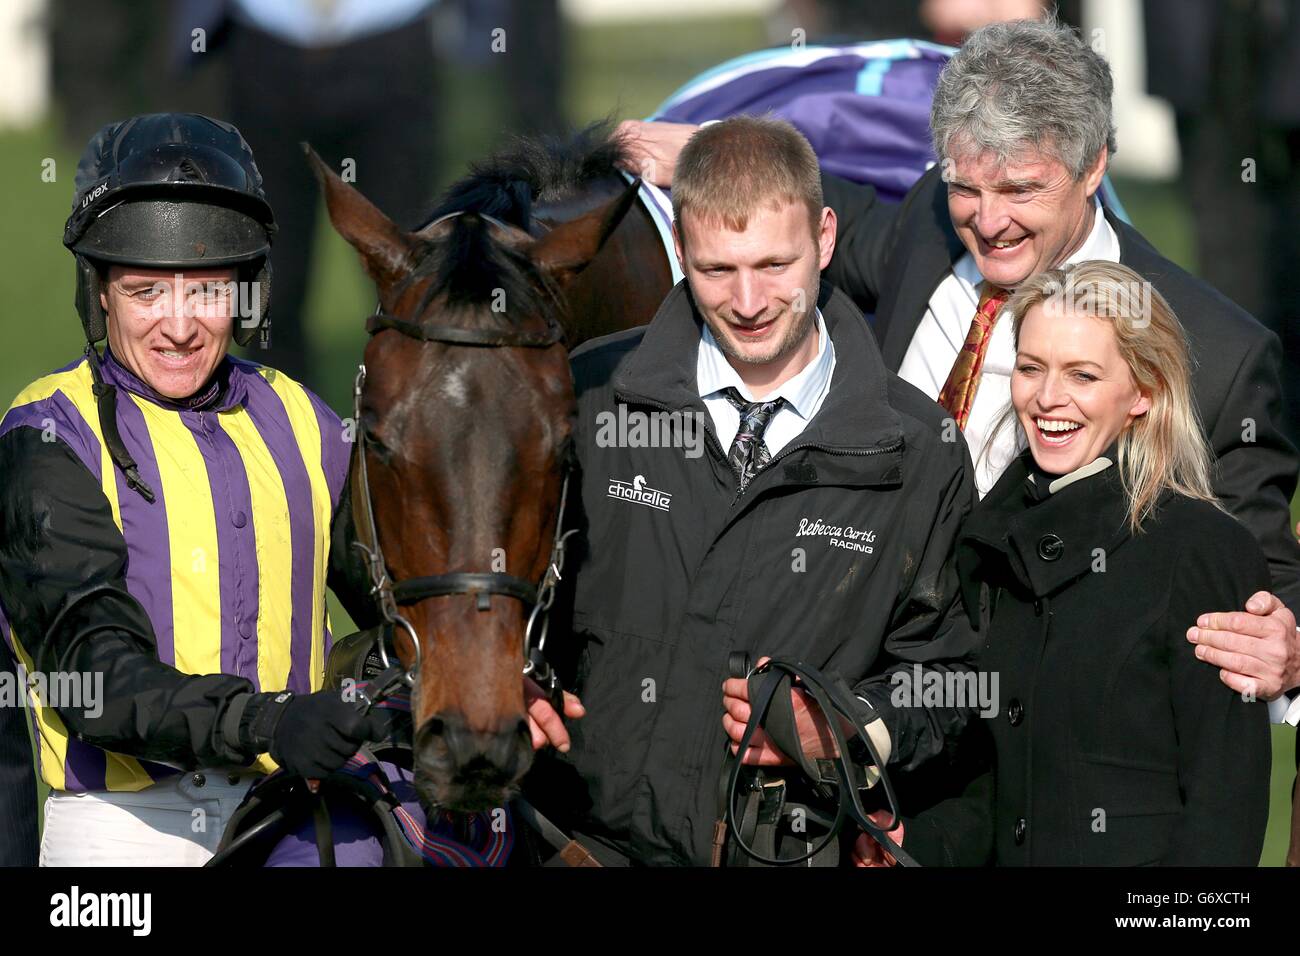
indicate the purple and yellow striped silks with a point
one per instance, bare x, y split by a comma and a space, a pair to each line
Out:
230, 561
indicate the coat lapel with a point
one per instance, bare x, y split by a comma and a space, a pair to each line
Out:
1134, 250
1048, 544
927, 250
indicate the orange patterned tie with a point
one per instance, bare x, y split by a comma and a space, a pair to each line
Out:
958, 393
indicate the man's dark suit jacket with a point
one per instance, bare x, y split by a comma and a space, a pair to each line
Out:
890, 259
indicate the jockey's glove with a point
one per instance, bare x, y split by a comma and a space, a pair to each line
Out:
311, 735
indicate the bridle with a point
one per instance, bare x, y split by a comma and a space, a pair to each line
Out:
390, 594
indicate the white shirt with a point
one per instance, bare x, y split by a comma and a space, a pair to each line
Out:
942, 333
1283, 710
803, 394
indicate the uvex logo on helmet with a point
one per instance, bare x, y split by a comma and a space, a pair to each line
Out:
94, 194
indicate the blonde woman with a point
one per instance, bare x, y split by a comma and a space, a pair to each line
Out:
1085, 564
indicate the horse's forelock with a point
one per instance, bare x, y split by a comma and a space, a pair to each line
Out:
529, 169
471, 269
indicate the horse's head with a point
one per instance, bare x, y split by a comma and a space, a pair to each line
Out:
466, 439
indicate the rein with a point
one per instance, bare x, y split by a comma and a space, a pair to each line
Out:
838, 779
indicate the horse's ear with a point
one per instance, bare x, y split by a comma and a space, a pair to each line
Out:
383, 246
569, 248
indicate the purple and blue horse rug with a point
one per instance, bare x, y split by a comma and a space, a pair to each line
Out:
864, 108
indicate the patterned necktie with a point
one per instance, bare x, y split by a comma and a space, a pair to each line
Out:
749, 452
958, 393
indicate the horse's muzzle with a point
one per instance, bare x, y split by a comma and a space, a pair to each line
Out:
468, 770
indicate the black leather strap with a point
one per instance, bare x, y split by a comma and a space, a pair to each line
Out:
780, 725
483, 584
320, 816
762, 691
106, 407
570, 851
772, 681
452, 335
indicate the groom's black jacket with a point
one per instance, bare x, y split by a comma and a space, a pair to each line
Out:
673, 570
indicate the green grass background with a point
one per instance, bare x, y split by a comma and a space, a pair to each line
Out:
625, 70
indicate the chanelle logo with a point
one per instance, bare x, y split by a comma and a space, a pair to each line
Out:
640, 493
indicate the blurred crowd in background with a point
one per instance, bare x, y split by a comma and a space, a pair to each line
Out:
358, 79
383, 83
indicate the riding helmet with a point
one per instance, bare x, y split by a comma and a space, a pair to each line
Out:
170, 190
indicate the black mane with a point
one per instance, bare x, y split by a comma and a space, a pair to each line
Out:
471, 266
506, 184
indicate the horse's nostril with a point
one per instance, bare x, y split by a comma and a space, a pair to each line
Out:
448, 738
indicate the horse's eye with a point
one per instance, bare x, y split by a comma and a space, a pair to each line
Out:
379, 449
374, 443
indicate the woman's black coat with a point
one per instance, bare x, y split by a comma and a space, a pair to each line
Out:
1113, 744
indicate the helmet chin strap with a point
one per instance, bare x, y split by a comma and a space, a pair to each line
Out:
254, 284
106, 405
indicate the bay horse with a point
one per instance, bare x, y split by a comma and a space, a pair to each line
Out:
465, 411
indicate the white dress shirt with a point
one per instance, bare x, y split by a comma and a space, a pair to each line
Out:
943, 331
1284, 710
803, 394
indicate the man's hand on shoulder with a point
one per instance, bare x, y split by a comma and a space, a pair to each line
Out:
652, 148
1257, 650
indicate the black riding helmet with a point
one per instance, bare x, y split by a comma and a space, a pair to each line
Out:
170, 190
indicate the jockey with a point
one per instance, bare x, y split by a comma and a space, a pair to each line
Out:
165, 516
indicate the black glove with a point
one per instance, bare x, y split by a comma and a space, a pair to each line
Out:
312, 735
